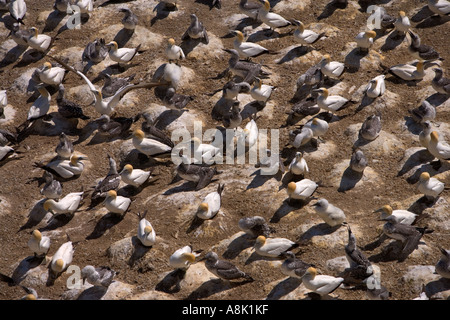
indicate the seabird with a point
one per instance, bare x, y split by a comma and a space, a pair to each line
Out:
148, 146
246, 70
301, 190
110, 182
332, 215
358, 161
402, 23
271, 19
183, 258
354, 255
425, 134
330, 103
250, 9
224, 269
62, 258
439, 149
364, 40
134, 177
376, 87
39, 244
18, 10
443, 265
61, 6
300, 137
312, 77
116, 204
145, 233
95, 51
320, 284
318, 126
52, 188
298, 165
247, 49
292, 266
100, 276
249, 135
130, 20
400, 216
173, 52
304, 108
331, 69
113, 84
430, 187
39, 42
64, 149
231, 89
67, 205
273, 247
85, 6
408, 72
115, 127
421, 51
440, 83
196, 31
439, 7
210, 205
69, 109
234, 118
64, 168
51, 75
425, 112
170, 73
121, 55
176, 101
305, 36
261, 92
196, 173
150, 130
371, 127
255, 226
20, 36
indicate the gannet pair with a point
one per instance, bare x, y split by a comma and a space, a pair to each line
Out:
332, 215
319, 127
300, 137
145, 233
170, 73
210, 205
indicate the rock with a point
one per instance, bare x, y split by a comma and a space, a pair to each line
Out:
417, 276
320, 234
337, 265
344, 178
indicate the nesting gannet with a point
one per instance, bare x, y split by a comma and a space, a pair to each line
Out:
201, 175
301, 190
246, 70
312, 77
86, 6
318, 126
273, 247
298, 165
64, 149
320, 284
354, 255
148, 146
20, 36
196, 31
64, 168
39, 42
428, 186
305, 36
114, 84
69, 109
183, 258
203, 152
400, 216
210, 205
18, 10
51, 75
67, 205
52, 188
298, 138
271, 19
62, 258
231, 89
100, 276
402, 23
371, 127
234, 118
224, 269
145, 233
173, 52
116, 204
134, 177
176, 101
95, 51
250, 133
38, 243
443, 265
114, 127
332, 215
61, 5
425, 112
41, 105
170, 73
440, 83
439, 149
330, 103
292, 266
247, 49
255, 226
129, 20
250, 9
364, 40
121, 55
301, 109
439, 7
149, 128
408, 72
110, 182
331, 69
425, 134
421, 51
261, 92
358, 161
376, 87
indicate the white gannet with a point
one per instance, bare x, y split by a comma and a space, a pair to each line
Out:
250, 133
62, 258
298, 165
183, 258
145, 233
332, 215
255, 226
425, 134
273, 247
439, 149
439, 7
331, 69
41, 105
210, 205
18, 10
330, 103
3, 103
121, 55
358, 161
371, 127
174, 52
170, 73
271, 19
148, 146
301, 190
67, 205
440, 83
69, 109
305, 36
65, 168
318, 126
38, 243
261, 92
100, 276
110, 182
402, 23
196, 31
401, 216
116, 204
52, 188
425, 112
64, 149
86, 6
376, 87
224, 269
408, 72
430, 187
250, 9
320, 284
247, 49
134, 177
299, 138
51, 75
293, 267
421, 51
129, 20
39, 42
364, 40
443, 265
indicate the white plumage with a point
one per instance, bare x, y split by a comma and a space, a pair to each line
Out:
134, 177
332, 69
210, 205
247, 49
305, 36
329, 102
376, 87
38, 243
69, 204
145, 233
302, 189
408, 72
183, 258
402, 24
174, 52
116, 204
332, 215
121, 55
67, 168
51, 75
318, 126
298, 165
41, 105
271, 19
39, 42
320, 284
62, 257
272, 247
440, 7
439, 149
364, 40
261, 92
430, 187
401, 216
148, 146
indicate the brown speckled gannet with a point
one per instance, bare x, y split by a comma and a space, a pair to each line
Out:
224, 269
100, 276
330, 214
196, 31
294, 267
255, 226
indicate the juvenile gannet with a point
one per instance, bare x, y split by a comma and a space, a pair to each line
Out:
170, 73
100, 276
371, 127
439, 7
64, 168
67, 205
116, 204
148, 146
439, 149
273, 247
271, 19
95, 51
298, 138
443, 265
246, 70
183, 258
173, 52
250, 9
18, 10
332, 215
39, 42
408, 72
421, 51
331, 69
293, 267
312, 77
301, 190
425, 112
149, 128
121, 55
247, 49
234, 118
129, 20
354, 255
330, 103
429, 187
376, 87
134, 177
425, 134
255, 226
305, 36
210, 205
145, 233
358, 161
400, 216
110, 182
69, 109
61, 5
62, 258
52, 188
364, 40
64, 149
176, 101
320, 284
196, 31
111, 128
20, 36
231, 89
114, 84
440, 83
302, 109
224, 269
298, 165
196, 173
38, 243
402, 23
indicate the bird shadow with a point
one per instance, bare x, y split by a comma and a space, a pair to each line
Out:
437, 99
238, 245
171, 283
212, 287
26, 265
365, 102
167, 117
283, 288
422, 14
247, 22
294, 53
185, 187
35, 216
123, 36
139, 251
28, 57
433, 21
321, 229
93, 293
189, 45
262, 35
287, 207
53, 20
259, 180
257, 257
12, 55
349, 180
434, 287
393, 40
105, 223
58, 221
419, 157
330, 8
162, 12
196, 223
353, 59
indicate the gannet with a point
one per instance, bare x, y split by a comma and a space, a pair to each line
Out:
313, 76
354, 255
210, 205
402, 23
39, 42
439, 149
425, 134
86, 6
41, 105
67, 205
231, 89
116, 204
440, 83
408, 72
110, 182
134, 177
304, 108
400, 216
234, 118
95, 51
320, 284
261, 92
305, 36
121, 55
38, 243
61, 5
196, 31
292, 266
183, 258
224, 269
273, 247
176, 101
331, 69
173, 52
148, 146
145, 233
332, 215
20, 36
318, 126
439, 7
298, 165
246, 70
170, 73
298, 138
203, 152
358, 161
330, 103
64, 149
371, 127
201, 175
129, 20
425, 112
69, 109
271, 19
429, 187
64, 168
52, 188
100, 276
250, 9
51, 75
111, 128
376, 87
62, 258
114, 84
18, 10
364, 40
149, 128
421, 51
5, 152
301, 190
443, 265
255, 226
250, 133
247, 49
